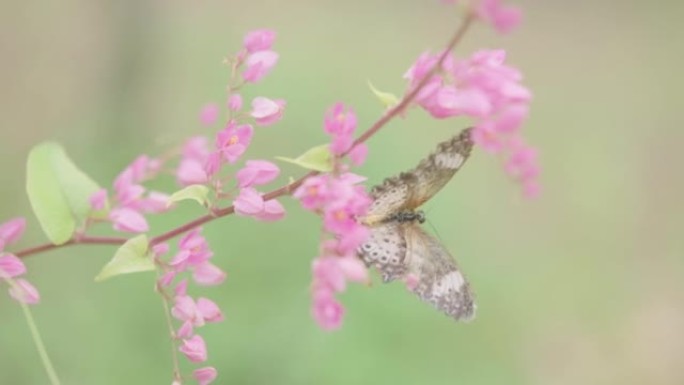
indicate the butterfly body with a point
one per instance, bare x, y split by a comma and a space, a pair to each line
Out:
400, 249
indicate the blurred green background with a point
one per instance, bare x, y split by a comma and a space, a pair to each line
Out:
583, 286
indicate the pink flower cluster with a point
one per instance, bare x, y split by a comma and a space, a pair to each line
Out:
502, 17
339, 200
12, 267
193, 256
484, 88
131, 199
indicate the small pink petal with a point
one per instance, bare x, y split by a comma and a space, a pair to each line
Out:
235, 102
191, 171
259, 64
11, 266
205, 376
167, 278
181, 289
185, 309
259, 40
207, 274
186, 330
353, 268
12, 230
128, 220
209, 114
327, 311
160, 249
273, 211
249, 202
98, 201
257, 172
23, 291
194, 349
209, 310
266, 111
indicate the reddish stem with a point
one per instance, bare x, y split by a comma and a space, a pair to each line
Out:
288, 188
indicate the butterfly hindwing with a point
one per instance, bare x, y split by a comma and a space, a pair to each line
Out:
438, 280
386, 250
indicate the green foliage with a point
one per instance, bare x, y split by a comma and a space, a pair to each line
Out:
316, 158
131, 257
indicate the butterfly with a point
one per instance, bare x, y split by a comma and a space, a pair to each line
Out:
400, 249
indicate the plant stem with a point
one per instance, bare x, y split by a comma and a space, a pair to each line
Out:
40, 346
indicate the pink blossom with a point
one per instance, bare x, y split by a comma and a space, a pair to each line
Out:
257, 172
181, 288
194, 349
249, 202
185, 309
353, 268
11, 266
259, 64
341, 143
232, 141
328, 273
186, 330
313, 193
213, 163
196, 147
235, 102
160, 249
349, 241
128, 195
209, 114
485, 136
12, 230
327, 311
155, 202
209, 311
22, 291
205, 376
266, 111
128, 220
273, 211
208, 274
196, 246
358, 154
259, 40
503, 18
339, 120
166, 279
191, 171
98, 201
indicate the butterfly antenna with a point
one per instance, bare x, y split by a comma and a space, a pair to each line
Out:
429, 222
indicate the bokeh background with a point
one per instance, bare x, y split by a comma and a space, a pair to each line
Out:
583, 286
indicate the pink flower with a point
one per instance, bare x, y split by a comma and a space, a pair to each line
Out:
213, 163
181, 288
259, 64
209, 310
249, 202
273, 211
191, 171
257, 172
166, 279
353, 268
12, 230
207, 274
128, 220
485, 136
232, 141
11, 266
259, 40
341, 143
196, 246
313, 193
98, 201
23, 291
327, 273
209, 114
503, 18
235, 102
194, 349
266, 111
205, 376
155, 202
186, 330
327, 312
185, 309
339, 120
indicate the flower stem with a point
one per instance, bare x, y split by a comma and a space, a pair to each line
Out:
40, 346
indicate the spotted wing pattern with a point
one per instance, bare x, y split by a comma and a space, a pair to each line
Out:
401, 249
386, 250
438, 279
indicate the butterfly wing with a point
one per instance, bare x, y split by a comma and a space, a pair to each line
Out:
437, 278
386, 250
411, 189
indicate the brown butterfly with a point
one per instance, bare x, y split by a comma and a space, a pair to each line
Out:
400, 249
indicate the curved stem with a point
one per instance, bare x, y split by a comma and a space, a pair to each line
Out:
40, 346
290, 187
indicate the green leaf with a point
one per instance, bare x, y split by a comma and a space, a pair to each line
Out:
59, 191
131, 257
196, 192
387, 99
316, 158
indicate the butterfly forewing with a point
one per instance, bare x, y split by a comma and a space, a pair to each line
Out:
400, 248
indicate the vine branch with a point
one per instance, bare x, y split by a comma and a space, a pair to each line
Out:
287, 189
